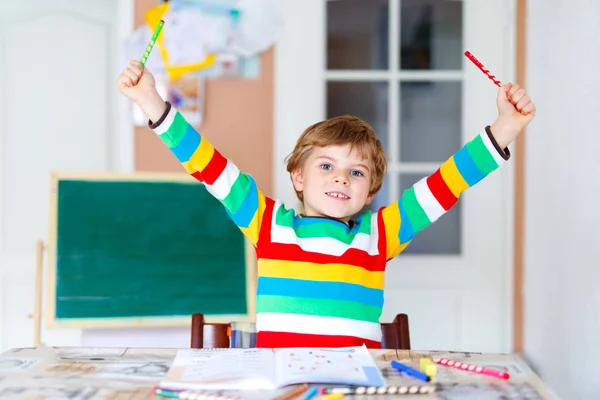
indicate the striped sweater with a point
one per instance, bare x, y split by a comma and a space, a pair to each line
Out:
320, 281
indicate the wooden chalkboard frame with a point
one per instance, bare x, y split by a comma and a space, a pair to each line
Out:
98, 323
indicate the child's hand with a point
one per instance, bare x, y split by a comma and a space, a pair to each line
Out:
515, 111
138, 85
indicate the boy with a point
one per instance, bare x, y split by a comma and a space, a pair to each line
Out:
321, 272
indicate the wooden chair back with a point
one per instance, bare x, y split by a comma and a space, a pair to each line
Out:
205, 336
395, 334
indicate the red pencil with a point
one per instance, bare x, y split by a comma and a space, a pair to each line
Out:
472, 368
482, 68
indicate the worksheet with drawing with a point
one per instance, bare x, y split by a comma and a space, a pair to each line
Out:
269, 369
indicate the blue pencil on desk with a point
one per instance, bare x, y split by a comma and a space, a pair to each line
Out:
410, 371
309, 394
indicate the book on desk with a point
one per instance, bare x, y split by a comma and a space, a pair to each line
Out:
268, 369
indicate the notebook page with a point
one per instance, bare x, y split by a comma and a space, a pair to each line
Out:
221, 369
346, 365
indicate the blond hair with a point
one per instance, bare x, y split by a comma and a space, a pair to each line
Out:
337, 131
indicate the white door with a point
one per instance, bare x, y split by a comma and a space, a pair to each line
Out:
399, 65
58, 67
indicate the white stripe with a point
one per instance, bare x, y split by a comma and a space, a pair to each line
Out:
492, 149
317, 325
374, 231
427, 200
222, 186
168, 121
321, 245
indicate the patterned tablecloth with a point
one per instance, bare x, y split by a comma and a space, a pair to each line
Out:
130, 373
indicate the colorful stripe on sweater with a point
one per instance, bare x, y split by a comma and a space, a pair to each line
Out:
320, 282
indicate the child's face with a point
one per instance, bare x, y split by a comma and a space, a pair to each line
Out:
335, 182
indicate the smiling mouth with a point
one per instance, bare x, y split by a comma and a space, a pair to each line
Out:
337, 195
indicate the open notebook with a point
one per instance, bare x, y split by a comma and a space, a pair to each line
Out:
244, 369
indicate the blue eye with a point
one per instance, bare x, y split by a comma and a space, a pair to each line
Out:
357, 173
326, 167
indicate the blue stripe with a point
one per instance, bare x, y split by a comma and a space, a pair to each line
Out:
188, 145
407, 232
243, 216
467, 167
319, 290
366, 215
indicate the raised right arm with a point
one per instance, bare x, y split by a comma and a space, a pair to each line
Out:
237, 191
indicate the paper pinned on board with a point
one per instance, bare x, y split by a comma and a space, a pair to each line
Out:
260, 23
193, 34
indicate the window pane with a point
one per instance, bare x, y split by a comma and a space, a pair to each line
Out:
431, 34
430, 120
365, 100
443, 236
357, 34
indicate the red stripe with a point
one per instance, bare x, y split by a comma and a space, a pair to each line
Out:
215, 167
198, 176
270, 339
441, 191
293, 252
382, 245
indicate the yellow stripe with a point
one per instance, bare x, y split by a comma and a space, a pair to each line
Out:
202, 155
252, 232
391, 220
453, 178
320, 272
189, 168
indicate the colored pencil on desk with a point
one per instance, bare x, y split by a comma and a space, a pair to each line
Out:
410, 371
166, 393
377, 390
309, 394
332, 396
472, 368
293, 392
186, 394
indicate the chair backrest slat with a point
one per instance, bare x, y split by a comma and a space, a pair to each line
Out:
395, 335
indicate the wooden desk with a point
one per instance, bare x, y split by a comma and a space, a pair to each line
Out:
129, 373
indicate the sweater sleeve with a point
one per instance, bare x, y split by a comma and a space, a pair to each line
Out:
243, 201
431, 197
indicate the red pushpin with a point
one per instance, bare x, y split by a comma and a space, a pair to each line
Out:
482, 68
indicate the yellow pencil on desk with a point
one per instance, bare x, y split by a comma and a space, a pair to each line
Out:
428, 367
332, 396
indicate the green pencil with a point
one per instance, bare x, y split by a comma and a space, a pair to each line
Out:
151, 43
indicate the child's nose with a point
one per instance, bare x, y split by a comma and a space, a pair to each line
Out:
342, 180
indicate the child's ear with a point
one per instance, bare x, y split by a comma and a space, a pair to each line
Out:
297, 180
369, 199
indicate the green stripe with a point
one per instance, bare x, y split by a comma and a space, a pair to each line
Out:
417, 216
238, 193
318, 307
323, 228
176, 131
481, 156
284, 217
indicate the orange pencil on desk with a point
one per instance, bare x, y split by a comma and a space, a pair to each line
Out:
293, 392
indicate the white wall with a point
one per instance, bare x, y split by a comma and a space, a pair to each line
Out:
562, 272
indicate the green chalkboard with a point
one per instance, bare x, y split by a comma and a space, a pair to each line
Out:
143, 248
